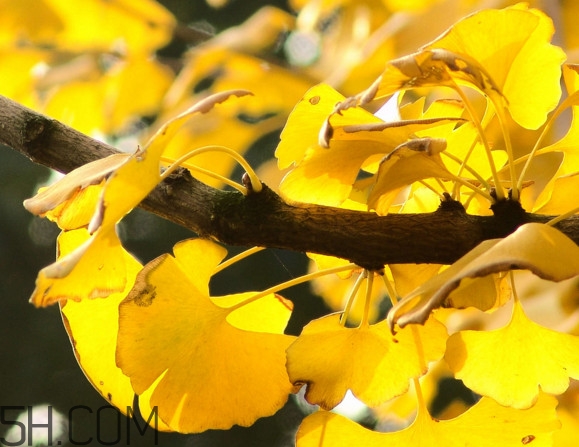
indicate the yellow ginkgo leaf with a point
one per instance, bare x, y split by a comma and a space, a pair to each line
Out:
540, 248
566, 145
512, 364
335, 146
564, 187
58, 193
485, 424
213, 362
417, 159
513, 45
94, 269
92, 326
504, 53
371, 362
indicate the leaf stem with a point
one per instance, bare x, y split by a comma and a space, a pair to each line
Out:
558, 219
254, 179
237, 258
391, 290
293, 282
470, 109
368, 298
352, 297
535, 151
509, 148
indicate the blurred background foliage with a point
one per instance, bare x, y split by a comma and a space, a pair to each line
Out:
119, 90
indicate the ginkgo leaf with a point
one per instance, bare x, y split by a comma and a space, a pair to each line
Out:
568, 144
89, 174
126, 187
564, 187
92, 270
371, 362
414, 160
511, 365
210, 367
486, 423
92, 326
504, 53
542, 249
329, 148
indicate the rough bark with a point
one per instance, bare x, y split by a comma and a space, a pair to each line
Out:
264, 219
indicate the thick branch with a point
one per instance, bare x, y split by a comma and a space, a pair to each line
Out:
264, 219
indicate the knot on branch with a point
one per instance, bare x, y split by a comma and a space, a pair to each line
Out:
508, 216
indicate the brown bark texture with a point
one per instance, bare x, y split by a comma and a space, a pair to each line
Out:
264, 219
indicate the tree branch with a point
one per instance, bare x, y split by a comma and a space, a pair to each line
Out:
264, 219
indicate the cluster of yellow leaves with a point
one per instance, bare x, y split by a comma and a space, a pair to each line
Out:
213, 362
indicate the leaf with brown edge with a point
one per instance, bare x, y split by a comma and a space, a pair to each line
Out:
89, 174
95, 265
206, 362
540, 248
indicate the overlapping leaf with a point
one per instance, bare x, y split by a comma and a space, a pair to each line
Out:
94, 265
329, 149
483, 51
486, 423
511, 365
548, 200
375, 365
212, 362
540, 248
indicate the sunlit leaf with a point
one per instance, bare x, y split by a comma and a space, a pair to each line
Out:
412, 161
92, 326
485, 424
505, 54
126, 187
539, 248
328, 149
512, 364
78, 179
371, 362
209, 366
566, 145
513, 46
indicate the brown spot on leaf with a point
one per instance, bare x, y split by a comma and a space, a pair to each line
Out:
527, 439
314, 100
110, 397
146, 296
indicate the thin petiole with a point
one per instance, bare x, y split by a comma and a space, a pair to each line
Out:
352, 297
558, 219
237, 258
368, 298
293, 282
470, 109
254, 179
